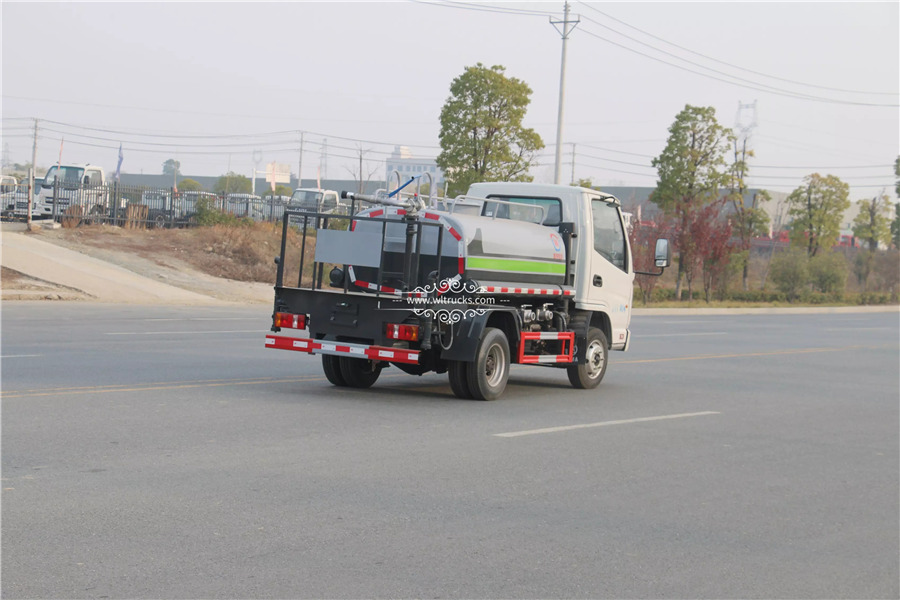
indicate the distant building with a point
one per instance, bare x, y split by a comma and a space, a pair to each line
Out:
402, 161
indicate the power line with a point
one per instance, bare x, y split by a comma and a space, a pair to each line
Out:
487, 8
608, 16
749, 84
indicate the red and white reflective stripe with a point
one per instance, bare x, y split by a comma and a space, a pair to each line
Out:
495, 289
548, 335
545, 358
384, 289
568, 343
343, 349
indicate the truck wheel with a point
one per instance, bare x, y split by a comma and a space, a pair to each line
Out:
332, 368
359, 372
489, 372
589, 375
459, 380
95, 217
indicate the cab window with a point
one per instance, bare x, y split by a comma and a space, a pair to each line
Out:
609, 236
529, 211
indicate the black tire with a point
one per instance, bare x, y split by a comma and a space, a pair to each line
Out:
489, 372
459, 380
332, 368
159, 222
590, 374
95, 216
359, 372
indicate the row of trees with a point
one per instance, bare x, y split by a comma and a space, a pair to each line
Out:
701, 191
230, 183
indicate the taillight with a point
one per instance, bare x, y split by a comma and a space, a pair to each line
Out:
395, 331
289, 321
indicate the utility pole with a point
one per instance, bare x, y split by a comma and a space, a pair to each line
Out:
300, 164
31, 175
360, 186
572, 179
564, 31
323, 162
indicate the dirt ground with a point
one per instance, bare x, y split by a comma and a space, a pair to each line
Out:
228, 263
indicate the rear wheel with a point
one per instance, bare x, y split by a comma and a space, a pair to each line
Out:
489, 372
459, 380
590, 374
332, 368
359, 372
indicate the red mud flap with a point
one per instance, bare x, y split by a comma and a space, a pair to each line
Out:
343, 349
566, 337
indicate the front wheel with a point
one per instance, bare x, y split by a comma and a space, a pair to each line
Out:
489, 372
95, 217
589, 375
359, 372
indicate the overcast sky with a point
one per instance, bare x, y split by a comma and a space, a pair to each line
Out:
229, 86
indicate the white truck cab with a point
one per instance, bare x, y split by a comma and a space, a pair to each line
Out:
317, 200
73, 185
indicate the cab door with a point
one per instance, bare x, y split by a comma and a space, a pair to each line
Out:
611, 287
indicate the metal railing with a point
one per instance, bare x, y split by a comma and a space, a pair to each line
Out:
134, 206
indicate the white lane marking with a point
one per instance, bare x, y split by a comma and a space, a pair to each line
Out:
21, 355
655, 335
603, 424
178, 332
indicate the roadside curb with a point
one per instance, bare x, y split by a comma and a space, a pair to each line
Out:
787, 310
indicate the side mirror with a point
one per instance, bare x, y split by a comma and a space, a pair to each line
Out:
663, 253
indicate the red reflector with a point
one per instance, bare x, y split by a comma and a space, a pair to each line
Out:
395, 331
289, 321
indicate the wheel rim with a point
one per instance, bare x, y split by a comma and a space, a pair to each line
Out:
495, 365
595, 360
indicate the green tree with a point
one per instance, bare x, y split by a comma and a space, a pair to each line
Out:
692, 169
816, 210
747, 219
895, 226
189, 185
828, 272
790, 272
171, 167
482, 137
280, 190
233, 183
872, 223
897, 174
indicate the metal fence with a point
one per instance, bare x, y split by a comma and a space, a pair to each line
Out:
133, 206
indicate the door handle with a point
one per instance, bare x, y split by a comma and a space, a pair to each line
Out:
598, 281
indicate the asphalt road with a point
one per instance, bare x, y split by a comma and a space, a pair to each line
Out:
160, 452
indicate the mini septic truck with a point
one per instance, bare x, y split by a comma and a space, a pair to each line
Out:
525, 273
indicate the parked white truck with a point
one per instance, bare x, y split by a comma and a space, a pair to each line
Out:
317, 200
509, 273
65, 186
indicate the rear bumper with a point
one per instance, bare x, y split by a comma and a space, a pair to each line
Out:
382, 353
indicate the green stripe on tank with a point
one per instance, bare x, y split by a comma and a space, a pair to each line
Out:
514, 266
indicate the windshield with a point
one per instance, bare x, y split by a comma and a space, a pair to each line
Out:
307, 198
70, 176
